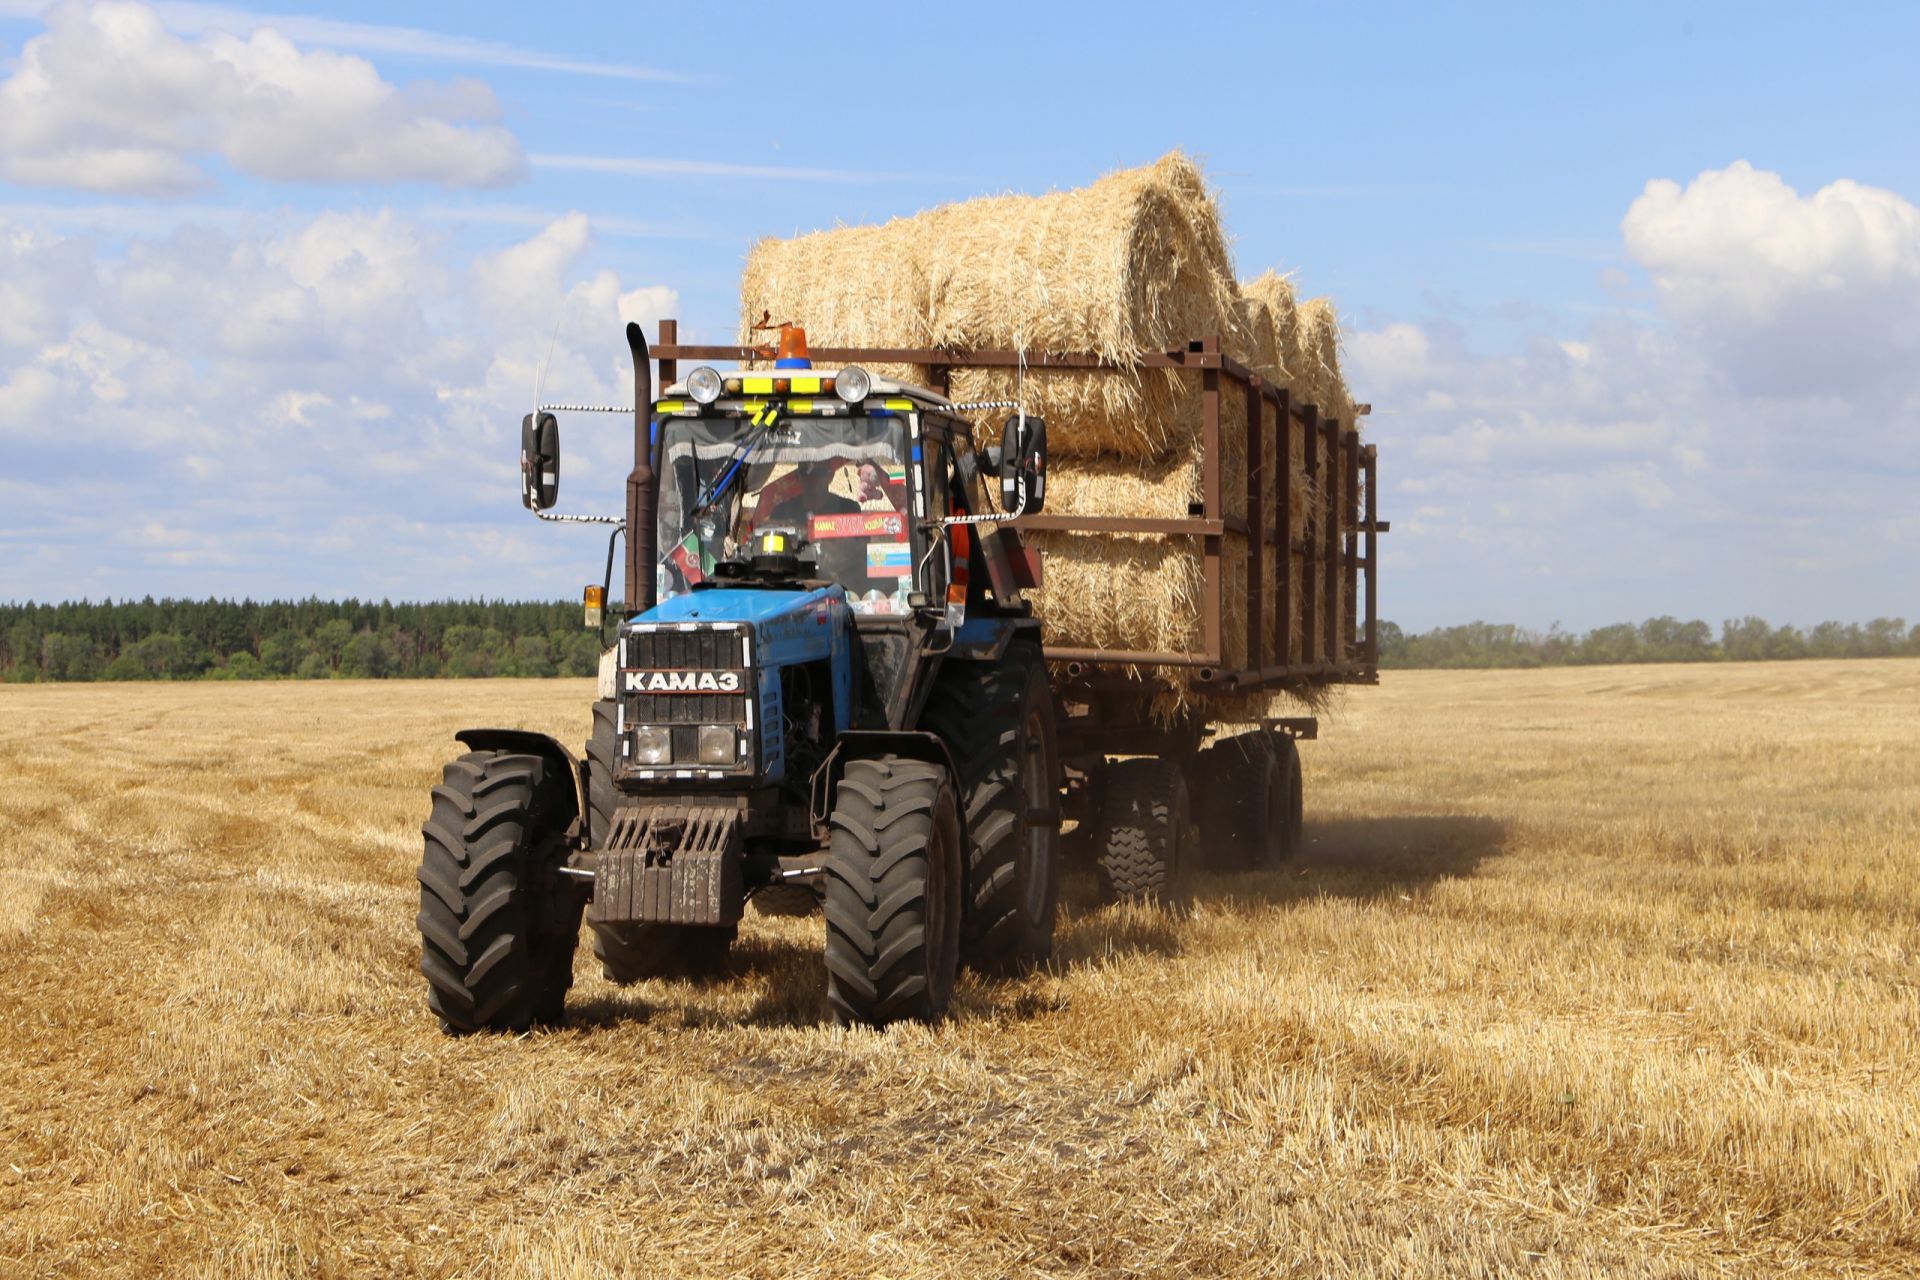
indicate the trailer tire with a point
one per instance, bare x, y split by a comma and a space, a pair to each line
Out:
1249, 815
498, 925
1146, 844
893, 892
633, 952
999, 723
1293, 812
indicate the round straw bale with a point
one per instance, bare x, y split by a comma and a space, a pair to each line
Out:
1135, 262
1318, 345
1275, 292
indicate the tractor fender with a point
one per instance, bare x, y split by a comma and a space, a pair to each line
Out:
547, 748
864, 744
984, 637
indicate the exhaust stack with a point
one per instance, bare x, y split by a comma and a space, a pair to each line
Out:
641, 556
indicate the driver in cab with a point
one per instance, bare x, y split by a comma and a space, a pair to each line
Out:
792, 501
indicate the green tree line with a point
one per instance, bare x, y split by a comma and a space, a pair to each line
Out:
321, 639
1666, 639
292, 639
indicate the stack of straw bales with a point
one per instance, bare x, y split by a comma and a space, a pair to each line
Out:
1135, 262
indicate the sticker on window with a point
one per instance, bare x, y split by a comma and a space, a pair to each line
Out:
889, 559
860, 524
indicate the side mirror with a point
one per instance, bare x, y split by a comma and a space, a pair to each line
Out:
1023, 466
539, 461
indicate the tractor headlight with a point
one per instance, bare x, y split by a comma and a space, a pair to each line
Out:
852, 384
652, 744
717, 743
703, 384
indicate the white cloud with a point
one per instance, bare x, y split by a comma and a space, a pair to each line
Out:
524, 279
329, 406
1749, 450
1787, 293
108, 100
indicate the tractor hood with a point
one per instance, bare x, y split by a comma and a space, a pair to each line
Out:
754, 605
756, 636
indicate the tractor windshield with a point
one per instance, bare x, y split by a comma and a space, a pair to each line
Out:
831, 491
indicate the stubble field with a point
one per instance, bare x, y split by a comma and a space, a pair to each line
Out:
1599, 972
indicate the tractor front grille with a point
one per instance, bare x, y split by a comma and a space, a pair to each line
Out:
677, 648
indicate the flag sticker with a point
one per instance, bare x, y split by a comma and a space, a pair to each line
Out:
889, 559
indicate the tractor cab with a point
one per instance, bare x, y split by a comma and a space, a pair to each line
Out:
771, 487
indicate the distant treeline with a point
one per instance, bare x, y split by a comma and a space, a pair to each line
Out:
320, 639
304, 639
1489, 644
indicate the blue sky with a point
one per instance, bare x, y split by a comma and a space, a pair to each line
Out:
1635, 289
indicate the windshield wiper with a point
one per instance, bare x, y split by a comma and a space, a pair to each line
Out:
718, 489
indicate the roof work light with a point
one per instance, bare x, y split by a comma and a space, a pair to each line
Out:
703, 384
852, 384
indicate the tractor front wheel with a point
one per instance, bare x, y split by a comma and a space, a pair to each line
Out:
498, 924
892, 892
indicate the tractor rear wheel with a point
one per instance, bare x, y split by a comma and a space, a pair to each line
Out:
1146, 844
631, 952
498, 924
998, 721
892, 892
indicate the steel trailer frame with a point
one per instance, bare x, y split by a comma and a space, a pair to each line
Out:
1335, 552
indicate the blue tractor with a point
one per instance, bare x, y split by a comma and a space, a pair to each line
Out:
827, 684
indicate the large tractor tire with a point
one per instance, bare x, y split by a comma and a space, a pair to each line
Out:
632, 952
1250, 813
893, 879
498, 923
1146, 830
999, 723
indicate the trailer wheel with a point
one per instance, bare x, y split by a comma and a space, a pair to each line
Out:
999, 723
1292, 816
1250, 815
1146, 846
632, 952
892, 892
498, 925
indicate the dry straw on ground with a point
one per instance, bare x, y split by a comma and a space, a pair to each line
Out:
1135, 262
1601, 972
